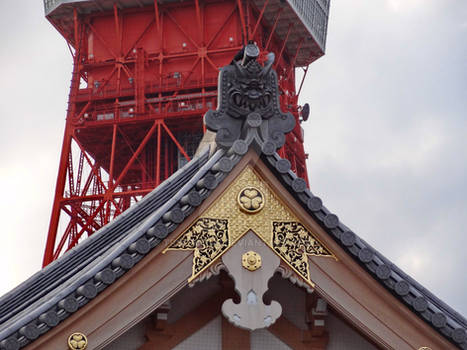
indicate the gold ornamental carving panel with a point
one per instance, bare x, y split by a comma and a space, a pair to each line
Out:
208, 238
249, 204
294, 243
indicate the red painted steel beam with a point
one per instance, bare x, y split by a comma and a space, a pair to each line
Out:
260, 17
63, 239
117, 28
219, 31
289, 30
198, 17
59, 188
156, 14
242, 21
273, 29
141, 36
180, 28
80, 173
303, 80
292, 66
80, 233
172, 137
66, 149
135, 155
158, 155
112, 154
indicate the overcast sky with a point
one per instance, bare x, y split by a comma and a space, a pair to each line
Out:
387, 136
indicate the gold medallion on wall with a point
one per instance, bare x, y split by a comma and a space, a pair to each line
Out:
251, 261
250, 200
249, 204
77, 341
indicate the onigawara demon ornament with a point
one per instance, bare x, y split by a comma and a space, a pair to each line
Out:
248, 107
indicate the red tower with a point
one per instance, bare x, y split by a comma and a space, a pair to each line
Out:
145, 72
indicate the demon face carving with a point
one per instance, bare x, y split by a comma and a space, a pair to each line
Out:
248, 91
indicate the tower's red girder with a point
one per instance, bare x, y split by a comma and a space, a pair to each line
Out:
142, 80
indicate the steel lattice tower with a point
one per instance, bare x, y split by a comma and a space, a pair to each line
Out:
144, 74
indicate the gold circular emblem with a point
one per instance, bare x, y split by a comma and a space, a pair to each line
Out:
250, 200
77, 341
251, 260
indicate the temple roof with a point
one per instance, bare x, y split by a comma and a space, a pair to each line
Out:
60, 289
55, 292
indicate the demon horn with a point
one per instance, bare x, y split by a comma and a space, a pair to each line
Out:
268, 64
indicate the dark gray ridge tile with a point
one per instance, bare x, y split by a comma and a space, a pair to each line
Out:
337, 233
372, 266
188, 211
119, 272
354, 250
23, 341
325, 211
320, 215
432, 298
